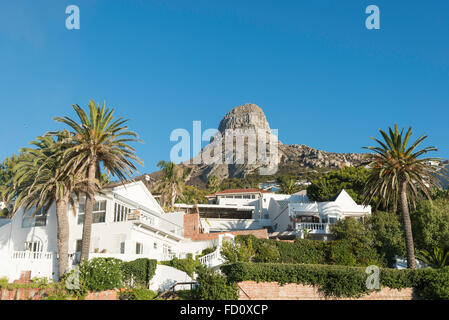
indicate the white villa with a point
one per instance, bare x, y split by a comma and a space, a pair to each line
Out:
128, 223
316, 218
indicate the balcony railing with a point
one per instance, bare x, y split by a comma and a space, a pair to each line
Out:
313, 228
31, 255
212, 259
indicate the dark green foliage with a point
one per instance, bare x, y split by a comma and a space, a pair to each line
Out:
267, 253
435, 284
139, 272
430, 224
388, 234
342, 281
101, 274
214, 286
328, 186
343, 252
187, 265
138, 294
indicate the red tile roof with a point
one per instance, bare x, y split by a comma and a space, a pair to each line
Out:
249, 190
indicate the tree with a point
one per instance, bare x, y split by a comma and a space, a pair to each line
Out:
41, 182
430, 224
213, 183
6, 176
399, 174
171, 185
99, 139
329, 185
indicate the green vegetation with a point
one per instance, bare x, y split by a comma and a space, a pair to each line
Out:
187, 265
400, 175
139, 272
137, 294
98, 140
342, 281
328, 186
214, 286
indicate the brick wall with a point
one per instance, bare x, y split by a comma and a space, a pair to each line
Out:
192, 230
37, 294
251, 290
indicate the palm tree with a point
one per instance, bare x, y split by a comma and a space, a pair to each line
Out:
287, 185
39, 182
99, 139
439, 258
400, 174
171, 185
213, 183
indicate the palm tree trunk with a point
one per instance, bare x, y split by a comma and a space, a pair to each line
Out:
90, 200
411, 262
173, 195
63, 235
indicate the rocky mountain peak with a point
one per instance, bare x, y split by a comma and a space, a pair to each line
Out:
247, 116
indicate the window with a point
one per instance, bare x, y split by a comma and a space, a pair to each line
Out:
122, 247
333, 220
99, 212
247, 197
139, 248
120, 212
33, 246
38, 220
155, 245
81, 211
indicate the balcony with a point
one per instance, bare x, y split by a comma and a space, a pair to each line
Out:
313, 228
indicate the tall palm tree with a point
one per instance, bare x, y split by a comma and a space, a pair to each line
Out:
171, 185
39, 182
99, 140
400, 174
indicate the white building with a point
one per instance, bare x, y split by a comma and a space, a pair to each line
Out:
128, 223
316, 218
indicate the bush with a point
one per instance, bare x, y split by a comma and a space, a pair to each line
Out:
342, 281
214, 286
435, 284
138, 294
240, 251
139, 272
267, 253
101, 274
187, 265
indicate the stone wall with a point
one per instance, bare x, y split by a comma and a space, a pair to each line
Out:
251, 290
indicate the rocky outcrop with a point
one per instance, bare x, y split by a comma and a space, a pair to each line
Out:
247, 119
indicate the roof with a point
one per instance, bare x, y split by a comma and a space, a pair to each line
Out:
248, 190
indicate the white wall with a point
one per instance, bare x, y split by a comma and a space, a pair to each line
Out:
166, 276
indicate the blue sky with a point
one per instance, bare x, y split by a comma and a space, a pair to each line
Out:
320, 76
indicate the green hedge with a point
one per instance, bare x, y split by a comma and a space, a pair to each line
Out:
342, 281
340, 252
139, 272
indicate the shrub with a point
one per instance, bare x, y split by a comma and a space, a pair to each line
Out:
138, 294
267, 253
101, 274
187, 265
139, 272
240, 251
435, 284
214, 286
